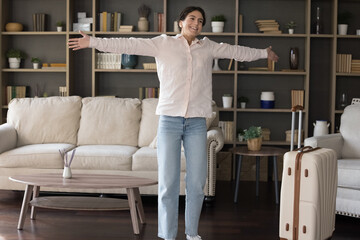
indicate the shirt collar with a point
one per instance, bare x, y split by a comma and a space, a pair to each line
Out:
193, 42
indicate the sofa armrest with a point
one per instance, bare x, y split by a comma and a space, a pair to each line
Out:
215, 142
332, 141
8, 137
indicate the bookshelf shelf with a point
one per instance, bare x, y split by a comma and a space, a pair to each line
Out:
302, 73
279, 35
29, 70
125, 70
33, 33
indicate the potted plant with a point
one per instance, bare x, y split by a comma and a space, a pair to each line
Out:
242, 100
343, 22
253, 136
36, 62
217, 23
15, 56
59, 26
240, 134
143, 23
291, 27
227, 100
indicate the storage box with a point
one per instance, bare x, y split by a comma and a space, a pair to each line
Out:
266, 134
81, 26
288, 136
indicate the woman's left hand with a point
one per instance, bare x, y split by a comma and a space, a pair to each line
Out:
272, 55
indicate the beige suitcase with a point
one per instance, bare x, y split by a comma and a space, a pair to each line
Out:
308, 194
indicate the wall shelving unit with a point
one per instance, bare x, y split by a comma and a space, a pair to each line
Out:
319, 80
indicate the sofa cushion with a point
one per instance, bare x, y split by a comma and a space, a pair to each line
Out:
109, 121
103, 157
145, 159
149, 121
350, 131
349, 173
45, 120
35, 156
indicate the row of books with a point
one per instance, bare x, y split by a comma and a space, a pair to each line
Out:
268, 26
54, 66
227, 128
108, 61
15, 92
109, 22
39, 22
149, 92
345, 64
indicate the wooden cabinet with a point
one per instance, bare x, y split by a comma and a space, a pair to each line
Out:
317, 56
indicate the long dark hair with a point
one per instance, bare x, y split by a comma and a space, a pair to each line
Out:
190, 9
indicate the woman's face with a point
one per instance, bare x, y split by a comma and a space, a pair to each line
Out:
191, 26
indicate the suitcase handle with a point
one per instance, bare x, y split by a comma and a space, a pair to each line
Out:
297, 108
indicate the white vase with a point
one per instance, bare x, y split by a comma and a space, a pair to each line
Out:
14, 62
321, 127
227, 101
291, 31
59, 29
143, 24
217, 26
243, 104
342, 29
216, 65
67, 172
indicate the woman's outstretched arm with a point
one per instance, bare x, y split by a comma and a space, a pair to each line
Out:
79, 43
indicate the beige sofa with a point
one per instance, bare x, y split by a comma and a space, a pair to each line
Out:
111, 136
346, 145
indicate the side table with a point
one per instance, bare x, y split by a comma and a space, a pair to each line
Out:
273, 152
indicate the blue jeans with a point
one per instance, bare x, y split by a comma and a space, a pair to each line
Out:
171, 132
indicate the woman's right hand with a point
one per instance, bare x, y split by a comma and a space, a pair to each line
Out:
79, 43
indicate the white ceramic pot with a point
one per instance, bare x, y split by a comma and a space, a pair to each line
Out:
14, 62
227, 101
291, 31
36, 65
243, 104
321, 127
217, 26
67, 172
59, 29
342, 29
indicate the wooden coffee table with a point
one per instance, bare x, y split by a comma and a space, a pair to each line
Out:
83, 181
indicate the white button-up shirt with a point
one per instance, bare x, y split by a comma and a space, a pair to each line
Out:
184, 71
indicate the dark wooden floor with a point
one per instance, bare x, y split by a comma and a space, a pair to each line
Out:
251, 218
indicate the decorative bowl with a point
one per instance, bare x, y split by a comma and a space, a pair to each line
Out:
13, 27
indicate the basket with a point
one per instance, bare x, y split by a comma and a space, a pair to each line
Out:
288, 135
149, 66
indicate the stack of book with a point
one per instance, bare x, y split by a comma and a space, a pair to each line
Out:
108, 61
297, 98
109, 22
227, 128
148, 92
39, 22
54, 66
355, 66
343, 63
126, 28
268, 26
15, 92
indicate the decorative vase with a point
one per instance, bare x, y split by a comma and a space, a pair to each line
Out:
321, 127
128, 61
143, 24
294, 58
14, 62
13, 27
217, 26
67, 172
227, 101
342, 29
254, 144
216, 65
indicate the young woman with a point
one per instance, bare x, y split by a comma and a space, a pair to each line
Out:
184, 67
